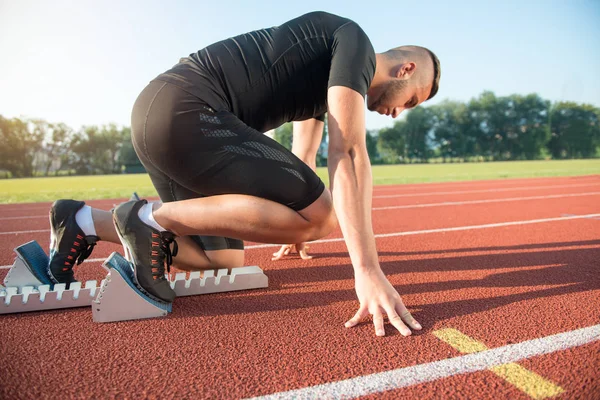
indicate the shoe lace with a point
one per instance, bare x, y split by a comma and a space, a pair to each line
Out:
82, 248
165, 256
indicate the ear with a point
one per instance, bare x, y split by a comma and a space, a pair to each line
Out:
406, 70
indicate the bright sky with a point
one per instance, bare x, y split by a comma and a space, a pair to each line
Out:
84, 62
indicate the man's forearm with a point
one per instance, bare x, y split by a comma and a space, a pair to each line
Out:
307, 138
352, 188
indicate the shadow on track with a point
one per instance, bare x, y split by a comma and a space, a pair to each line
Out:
569, 271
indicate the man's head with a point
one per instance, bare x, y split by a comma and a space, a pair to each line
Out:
404, 77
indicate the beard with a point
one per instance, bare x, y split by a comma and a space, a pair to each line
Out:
389, 91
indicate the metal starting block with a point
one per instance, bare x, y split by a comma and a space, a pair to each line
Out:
117, 298
28, 287
241, 278
119, 289
120, 299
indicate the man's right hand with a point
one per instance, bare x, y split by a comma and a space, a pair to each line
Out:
378, 298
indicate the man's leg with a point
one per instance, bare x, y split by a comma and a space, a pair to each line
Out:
254, 188
190, 255
248, 218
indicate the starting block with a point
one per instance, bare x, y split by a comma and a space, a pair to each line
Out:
116, 298
241, 278
28, 287
120, 299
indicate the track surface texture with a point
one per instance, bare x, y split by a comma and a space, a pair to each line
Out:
504, 263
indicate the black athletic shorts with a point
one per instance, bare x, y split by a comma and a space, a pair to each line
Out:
190, 151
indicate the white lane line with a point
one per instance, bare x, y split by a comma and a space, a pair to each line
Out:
18, 232
447, 203
486, 190
483, 183
469, 363
45, 207
570, 215
453, 229
410, 233
28, 217
459, 203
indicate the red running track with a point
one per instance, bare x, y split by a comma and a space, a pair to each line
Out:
499, 285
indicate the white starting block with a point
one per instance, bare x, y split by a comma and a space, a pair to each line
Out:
117, 298
241, 278
120, 299
28, 287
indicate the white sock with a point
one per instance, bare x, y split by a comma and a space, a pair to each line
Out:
145, 214
85, 221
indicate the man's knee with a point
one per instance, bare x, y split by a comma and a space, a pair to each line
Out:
325, 226
321, 216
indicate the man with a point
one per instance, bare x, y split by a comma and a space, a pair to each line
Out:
197, 130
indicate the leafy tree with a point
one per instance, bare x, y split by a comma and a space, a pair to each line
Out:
532, 130
55, 145
575, 130
487, 118
453, 130
415, 130
372, 147
127, 155
284, 135
95, 150
391, 143
19, 143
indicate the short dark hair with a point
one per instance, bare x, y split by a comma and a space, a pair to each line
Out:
437, 72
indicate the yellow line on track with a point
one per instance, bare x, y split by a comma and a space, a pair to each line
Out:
527, 381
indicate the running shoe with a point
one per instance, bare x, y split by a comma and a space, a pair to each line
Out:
68, 243
148, 249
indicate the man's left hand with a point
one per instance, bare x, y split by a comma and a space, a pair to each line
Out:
287, 248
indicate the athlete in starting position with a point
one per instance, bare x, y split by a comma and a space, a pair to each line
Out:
197, 129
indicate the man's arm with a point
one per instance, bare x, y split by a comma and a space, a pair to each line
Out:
305, 145
352, 190
307, 139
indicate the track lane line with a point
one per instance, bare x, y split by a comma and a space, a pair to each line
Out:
28, 217
534, 385
459, 203
19, 232
486, 190
435, 193
422, 373
505, 182
409, 233
408, 206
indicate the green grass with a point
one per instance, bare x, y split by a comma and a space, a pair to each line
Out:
121, 186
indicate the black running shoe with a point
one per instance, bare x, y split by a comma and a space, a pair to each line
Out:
68, 243
148, 249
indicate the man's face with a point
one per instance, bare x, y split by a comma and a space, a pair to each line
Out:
394, 97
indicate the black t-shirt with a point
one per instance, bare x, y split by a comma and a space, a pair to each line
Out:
280, 74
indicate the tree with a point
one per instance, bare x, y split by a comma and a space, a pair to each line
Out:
19, 143
532, 129
391, 143
487, 118
324, 146
284, 135
95, 150
55, 145
453, 132
128, 157
575, 130
372, 147
416, 129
